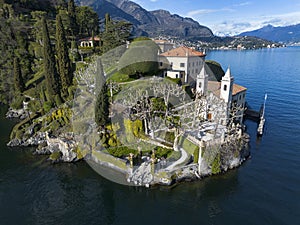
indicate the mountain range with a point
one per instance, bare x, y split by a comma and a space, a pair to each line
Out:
287, 34
149, 23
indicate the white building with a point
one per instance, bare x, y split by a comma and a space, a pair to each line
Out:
232, 94
89, 42
183, 61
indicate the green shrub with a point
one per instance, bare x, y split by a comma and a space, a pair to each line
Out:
170, 137
137, 128
55, 125
55, 156
17, 102
19, 134
47, 106
216, 165
175, 80
196, 155
162, 152
71, 91
121, 151
175, 155
79, 153
112, 142
34, 105
58, 100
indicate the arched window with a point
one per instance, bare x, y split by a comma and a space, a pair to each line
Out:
225, 87
200, 84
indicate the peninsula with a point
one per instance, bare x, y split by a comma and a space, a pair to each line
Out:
147, 111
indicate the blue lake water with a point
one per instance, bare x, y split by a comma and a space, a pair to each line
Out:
264, 190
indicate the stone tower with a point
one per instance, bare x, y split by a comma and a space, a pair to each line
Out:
202, 81
226, 87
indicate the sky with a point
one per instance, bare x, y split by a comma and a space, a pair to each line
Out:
230, 17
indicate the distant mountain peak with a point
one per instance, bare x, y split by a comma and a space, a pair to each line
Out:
286, 34
153, 23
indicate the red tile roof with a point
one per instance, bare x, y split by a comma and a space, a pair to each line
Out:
90, 39
237, 89
183, 52
215, 87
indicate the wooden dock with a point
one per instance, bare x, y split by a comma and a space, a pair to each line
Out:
257, 116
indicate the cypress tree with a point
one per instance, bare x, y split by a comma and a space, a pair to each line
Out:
107, 22
102, 107
72, 17
63, 60
18, 79
93, 41
52, 78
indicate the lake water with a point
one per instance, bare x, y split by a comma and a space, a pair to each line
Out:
264, 190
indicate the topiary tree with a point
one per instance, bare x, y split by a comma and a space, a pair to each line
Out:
216, 72
140, 59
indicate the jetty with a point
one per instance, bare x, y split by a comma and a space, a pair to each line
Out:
257, 116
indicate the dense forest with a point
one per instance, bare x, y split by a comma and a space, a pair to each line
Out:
39, 44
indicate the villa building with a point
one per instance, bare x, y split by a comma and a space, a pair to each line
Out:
89, 42
189, 65
182, 62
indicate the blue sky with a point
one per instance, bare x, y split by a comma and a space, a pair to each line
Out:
231, 16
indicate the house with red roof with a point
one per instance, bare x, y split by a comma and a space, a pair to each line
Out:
182, 62
88, 42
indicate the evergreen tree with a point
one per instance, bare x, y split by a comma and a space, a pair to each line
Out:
93, 41
18, 79
63, 60
52, 78
102, 107
116, 33
107, 21
72, 18
87, 20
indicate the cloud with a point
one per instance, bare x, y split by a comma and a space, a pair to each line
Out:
242, 4
207, 11
231, 27
201, 12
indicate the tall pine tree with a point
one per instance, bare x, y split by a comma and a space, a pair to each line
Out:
72, 18
107, 21
63, 60
18, 79
102, 107
102, 101
116, 33
51, 75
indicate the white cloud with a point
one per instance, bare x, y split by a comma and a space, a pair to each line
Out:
207, 11
242, 4
232, 27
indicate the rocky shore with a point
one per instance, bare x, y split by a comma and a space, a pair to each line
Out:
60, 149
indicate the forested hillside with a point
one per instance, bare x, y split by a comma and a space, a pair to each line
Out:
39, 48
